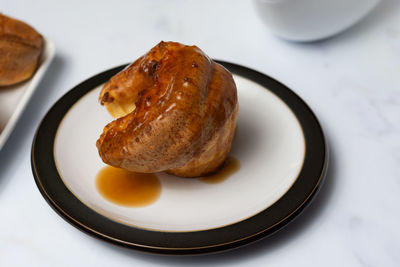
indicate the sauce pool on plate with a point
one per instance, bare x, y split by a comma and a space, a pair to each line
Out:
127, 188
231, 166
133, 189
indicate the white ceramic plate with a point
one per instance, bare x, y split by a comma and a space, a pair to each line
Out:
279, 145
13, 99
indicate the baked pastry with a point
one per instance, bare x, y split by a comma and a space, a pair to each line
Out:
20, 49
176, 111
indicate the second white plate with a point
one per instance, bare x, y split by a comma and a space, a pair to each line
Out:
13, 99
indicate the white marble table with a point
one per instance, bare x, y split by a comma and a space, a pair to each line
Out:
351, 81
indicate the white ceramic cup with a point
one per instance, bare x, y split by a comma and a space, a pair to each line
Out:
310, 20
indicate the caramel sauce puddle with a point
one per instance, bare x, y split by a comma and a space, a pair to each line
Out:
127, 188
133, 189
231, 166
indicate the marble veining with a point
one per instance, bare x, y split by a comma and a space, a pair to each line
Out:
372, 244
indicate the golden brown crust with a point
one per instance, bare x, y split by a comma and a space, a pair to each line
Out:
20, 49
183, 118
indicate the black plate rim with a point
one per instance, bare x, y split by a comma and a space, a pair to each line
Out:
231, 236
